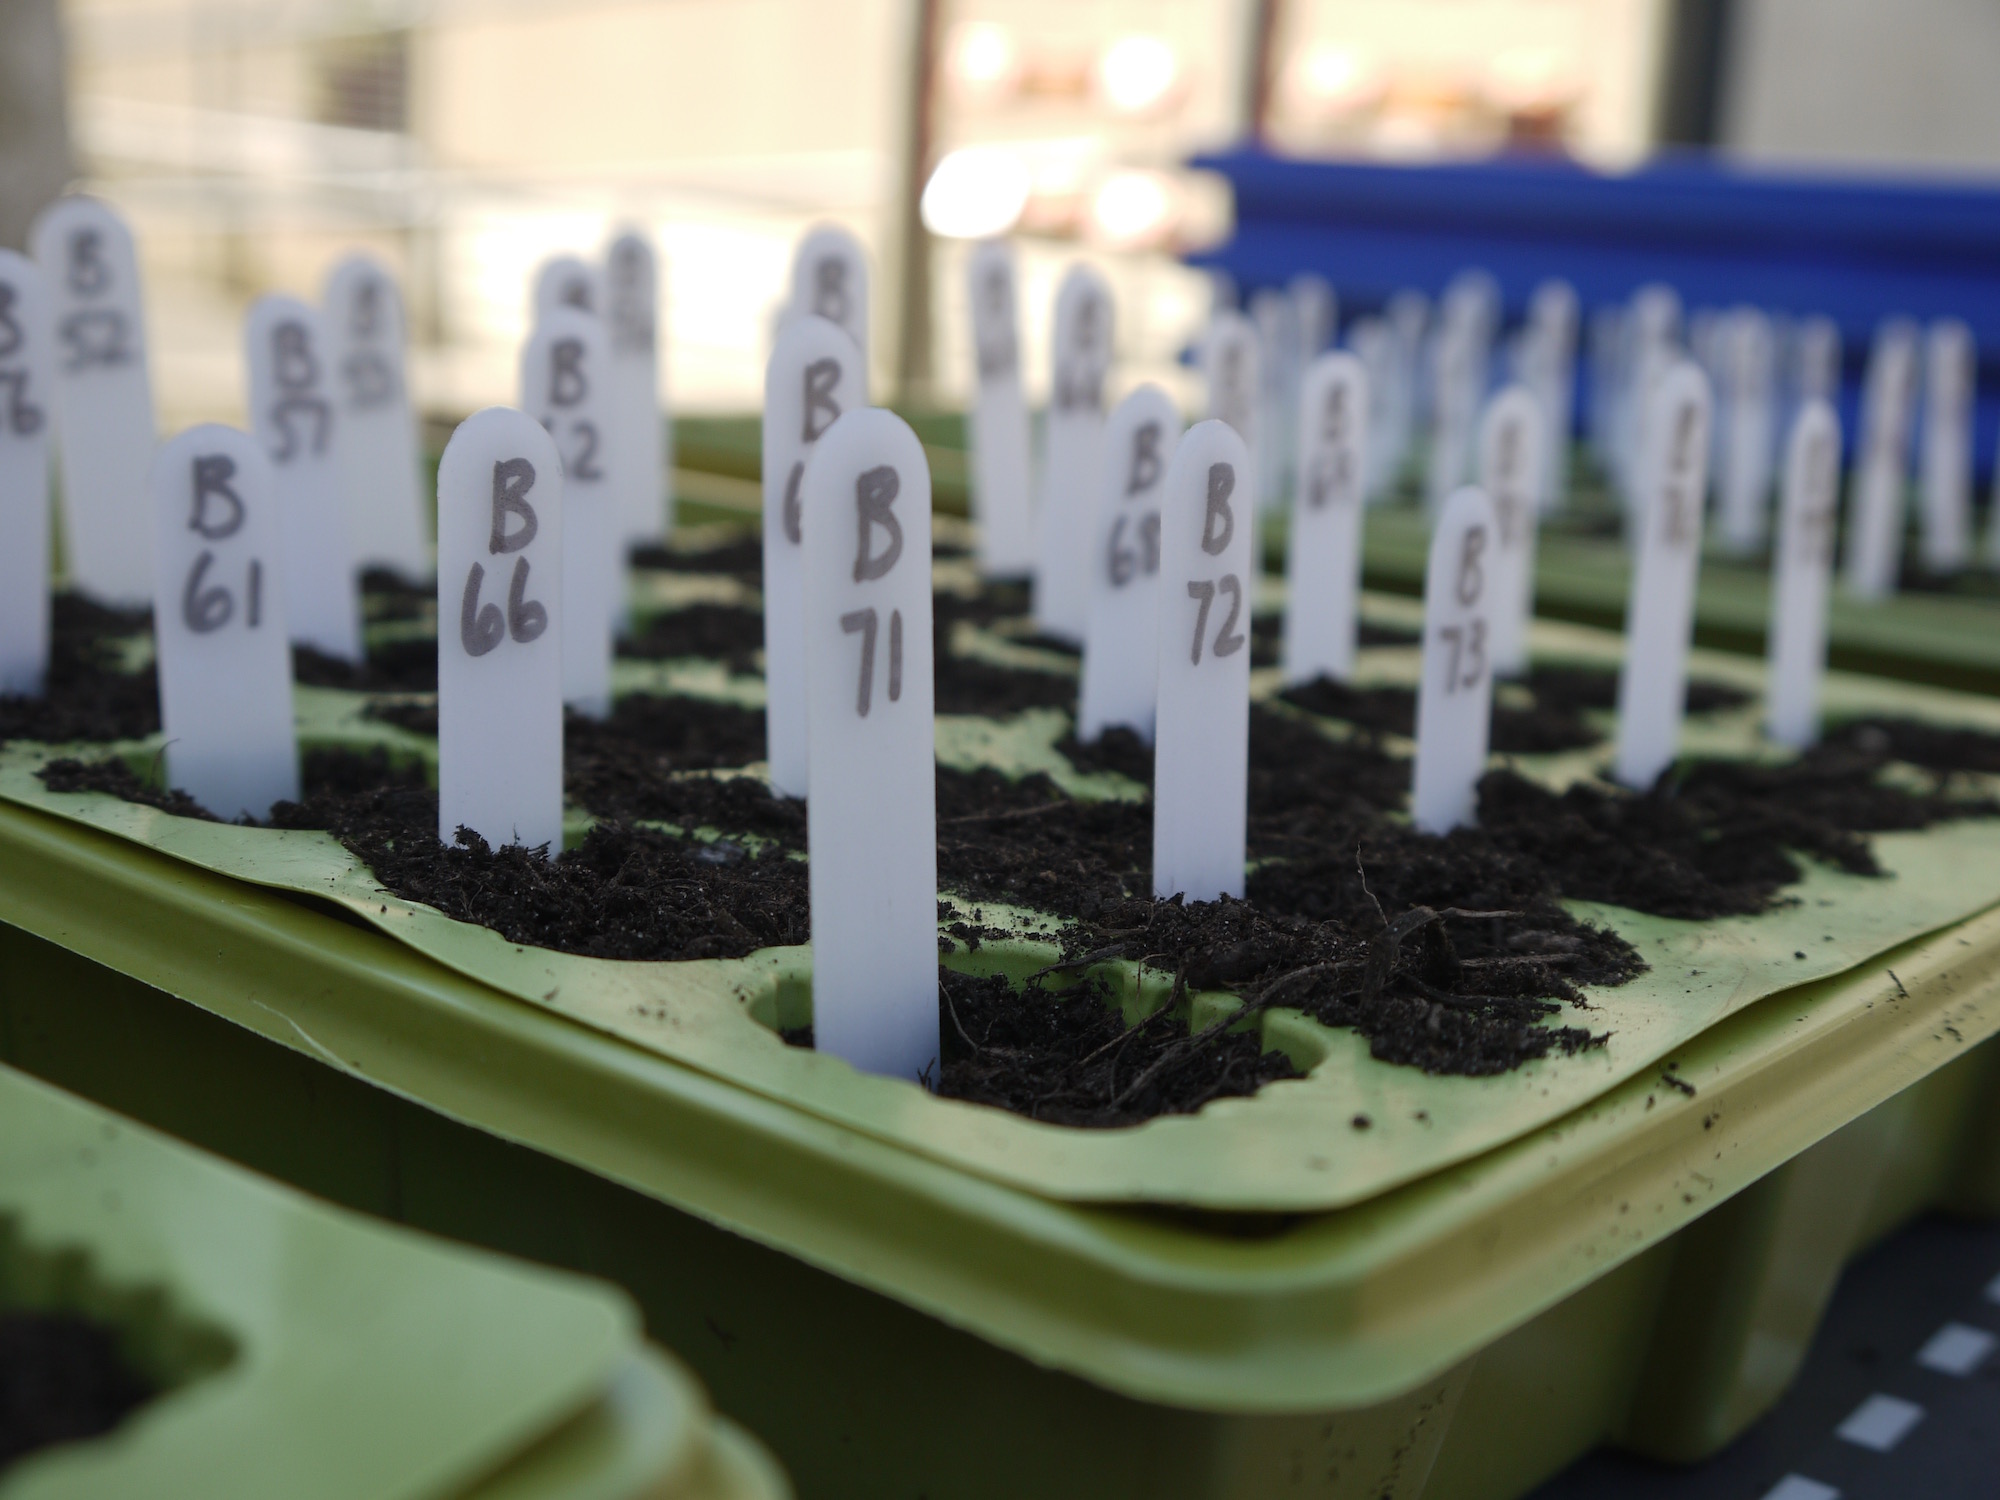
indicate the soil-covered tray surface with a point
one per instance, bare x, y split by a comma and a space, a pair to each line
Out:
1427, 998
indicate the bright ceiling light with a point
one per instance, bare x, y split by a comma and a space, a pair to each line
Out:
975, 192
1137, 73
1333, 76
1133, 208
984, 58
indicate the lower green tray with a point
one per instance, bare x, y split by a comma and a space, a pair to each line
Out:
301, 1351
1657, 1259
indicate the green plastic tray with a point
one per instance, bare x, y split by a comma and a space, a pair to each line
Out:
306, 1352
900, 1313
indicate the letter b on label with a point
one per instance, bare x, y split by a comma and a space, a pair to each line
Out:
1218, 525
874, 492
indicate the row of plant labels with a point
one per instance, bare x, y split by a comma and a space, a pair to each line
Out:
1431, 373
330, 409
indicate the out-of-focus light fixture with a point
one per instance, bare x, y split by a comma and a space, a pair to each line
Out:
1133, 208
1329, 77
1522, 79
985, 61
1137, 75
975, 192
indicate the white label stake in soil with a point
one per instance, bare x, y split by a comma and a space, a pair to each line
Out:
500, 608
1201, 756
1455, 699
27, 362
815, 377
1323, 560
638, 427
1875, 503
225, 664
103, 396
1081, 353
830, 280
999, 426
291, 411
1805, 557
1946, 455
565, 387
375, 431
566, 281
1672, 481
1511, 435
1121, 648
871, 813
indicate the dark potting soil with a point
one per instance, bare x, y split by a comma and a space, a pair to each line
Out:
1068, 1058
622, 766
62, 1379
322, 772
967, 685
405, 665
727, 633
86, 695
741, 556
1553, 723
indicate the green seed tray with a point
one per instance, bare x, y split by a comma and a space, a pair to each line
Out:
1290, 1148
303, 1351
943, 1321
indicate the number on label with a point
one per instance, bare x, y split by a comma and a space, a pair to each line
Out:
1227, 640
864, 623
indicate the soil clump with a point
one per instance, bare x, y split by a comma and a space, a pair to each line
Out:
63, 1379
87, 695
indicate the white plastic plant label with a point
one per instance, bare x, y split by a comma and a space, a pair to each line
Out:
1749, 358
1552, 320
291, 412
637, 429
1072, 454
1945, 455
27, 365
816, 376
872, 811
1121, 647
566, 281
1816, 360
1455, 698
103, 396
1797, 659
1232, 365
999, 420
375, 429
1323, 556
830, 280
1511, 434
566, 386
500, 625
1659, 616
1318, 313
1201, 754
1279, 369
1455, 389
225, 665
1875, 500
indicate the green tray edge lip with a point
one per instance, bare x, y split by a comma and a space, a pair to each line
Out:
1322, 1315
338, 1321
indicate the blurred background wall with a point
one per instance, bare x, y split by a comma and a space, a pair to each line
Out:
253, 141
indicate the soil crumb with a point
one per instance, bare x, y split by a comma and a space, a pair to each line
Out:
62, 1379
